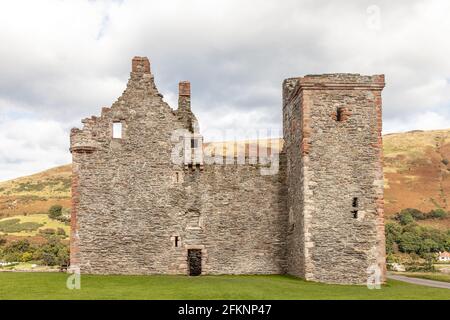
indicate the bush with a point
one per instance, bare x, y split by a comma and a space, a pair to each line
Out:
406, 218
27, 256
49, 259
438, 214
63, 219
14, 251
47, 231
61, 232
445, 161
53, 252
415, 213
55, 211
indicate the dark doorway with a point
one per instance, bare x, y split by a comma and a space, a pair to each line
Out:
195, 262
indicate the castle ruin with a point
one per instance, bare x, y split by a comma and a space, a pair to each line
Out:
319, 216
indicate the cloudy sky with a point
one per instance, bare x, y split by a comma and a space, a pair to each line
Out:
61, 61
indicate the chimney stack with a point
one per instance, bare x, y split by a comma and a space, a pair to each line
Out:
140, 65
184, 95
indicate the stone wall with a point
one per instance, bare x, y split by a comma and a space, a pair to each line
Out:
332, 128
135, 211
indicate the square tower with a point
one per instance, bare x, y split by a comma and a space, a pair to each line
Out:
332, 130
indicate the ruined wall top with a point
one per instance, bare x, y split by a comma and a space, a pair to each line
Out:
332, 81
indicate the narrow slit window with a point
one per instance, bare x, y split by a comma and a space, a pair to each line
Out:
117, 130
176, 241
355, 208
177, 176
194, 143
339, 114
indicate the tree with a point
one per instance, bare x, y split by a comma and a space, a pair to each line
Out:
410, 242
427, 246
13, 252
55, 211
53, 252
393, 233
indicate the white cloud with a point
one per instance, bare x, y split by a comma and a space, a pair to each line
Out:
29, 146
420, 121
63, 60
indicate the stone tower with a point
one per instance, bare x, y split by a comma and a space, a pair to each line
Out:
333, 144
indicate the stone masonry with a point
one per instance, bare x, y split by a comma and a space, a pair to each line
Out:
149, 201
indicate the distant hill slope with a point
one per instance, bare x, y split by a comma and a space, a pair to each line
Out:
36, 193
417, 172
416, 166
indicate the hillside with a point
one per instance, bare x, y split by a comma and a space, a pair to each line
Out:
416, 166
417, 172
35, 193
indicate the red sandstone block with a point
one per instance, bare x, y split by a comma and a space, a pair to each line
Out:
184, 88
142, 62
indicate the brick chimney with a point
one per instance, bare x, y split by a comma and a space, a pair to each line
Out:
184, 95
140, 65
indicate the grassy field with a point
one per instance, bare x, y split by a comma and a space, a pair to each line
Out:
15, 285
42, 219
429, 275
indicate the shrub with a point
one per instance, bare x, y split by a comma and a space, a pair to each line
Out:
60, 232
26, 256
55, 211
63, 219
14, 251
445, 161
438, 214
415, 213
47, 231
406, 218
49, 259
53, 252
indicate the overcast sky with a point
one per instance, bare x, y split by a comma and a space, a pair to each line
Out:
61, 61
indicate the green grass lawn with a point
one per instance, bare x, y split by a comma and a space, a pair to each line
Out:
428, 275
17, 285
